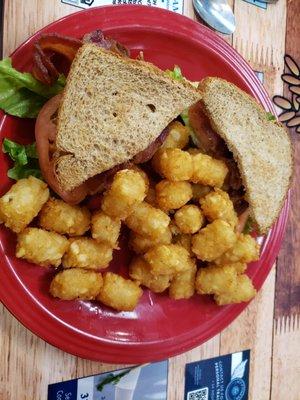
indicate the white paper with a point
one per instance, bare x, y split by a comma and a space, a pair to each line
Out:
172, 5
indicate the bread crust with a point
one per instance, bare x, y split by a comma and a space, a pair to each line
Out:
112, 108
255, 153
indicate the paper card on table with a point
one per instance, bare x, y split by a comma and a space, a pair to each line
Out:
144, 382
258, 3
172, 5
225, 377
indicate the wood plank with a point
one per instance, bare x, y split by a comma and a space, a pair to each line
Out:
34, 16
286, 349
288, 279
253, 330
262, 42
286, 356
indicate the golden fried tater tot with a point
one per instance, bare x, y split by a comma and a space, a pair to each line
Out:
105, 229
208, 170
147, 220
168, 259
139, 271
217, 205
41, 247
76, 283
174, 164
200, 191
183, 284
215, 280
189, 218
243, 291
245, 250
184, 240
22, 203
178, 136
141, 244
213, 240
238, 266
172, 195
60, 217
143, 174
127, 190
87, 253
119, 293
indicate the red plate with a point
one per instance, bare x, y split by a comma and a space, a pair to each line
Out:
159, 327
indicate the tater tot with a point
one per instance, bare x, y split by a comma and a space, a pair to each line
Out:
217, 205
168, 259
22, 203
184, 240
238, 266
41, 247
76, 283
189, 219
215, 280
174, 164
183, 284
245, 250
141, 244
139, 271
243, 291
128, 189
213, 240
119, 293
84, 252
143, 175
105, 229
200, 191
60, 217
208, 170
178, 136
147, 220
173, 195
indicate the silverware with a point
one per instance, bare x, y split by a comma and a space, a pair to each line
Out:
217, 14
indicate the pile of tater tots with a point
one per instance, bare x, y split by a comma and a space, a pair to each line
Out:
182, 231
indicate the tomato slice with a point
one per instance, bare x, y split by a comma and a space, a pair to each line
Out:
45, 134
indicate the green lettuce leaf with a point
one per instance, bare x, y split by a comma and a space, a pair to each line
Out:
176, 73
25, 160
21, 94
270, 117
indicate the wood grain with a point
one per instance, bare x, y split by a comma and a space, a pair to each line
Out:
288, 275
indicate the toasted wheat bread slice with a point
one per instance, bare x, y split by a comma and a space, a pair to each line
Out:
261, 148
112, 108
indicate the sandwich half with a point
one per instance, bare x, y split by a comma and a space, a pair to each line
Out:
260, 146
112, 109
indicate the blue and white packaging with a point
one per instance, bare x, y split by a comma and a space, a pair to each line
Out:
220, 378
144, 382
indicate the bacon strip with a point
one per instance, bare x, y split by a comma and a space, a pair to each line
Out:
54, 53
45, 48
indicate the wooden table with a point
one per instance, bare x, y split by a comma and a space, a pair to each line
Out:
270, 325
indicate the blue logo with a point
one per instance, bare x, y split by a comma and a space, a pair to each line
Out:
235, 390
